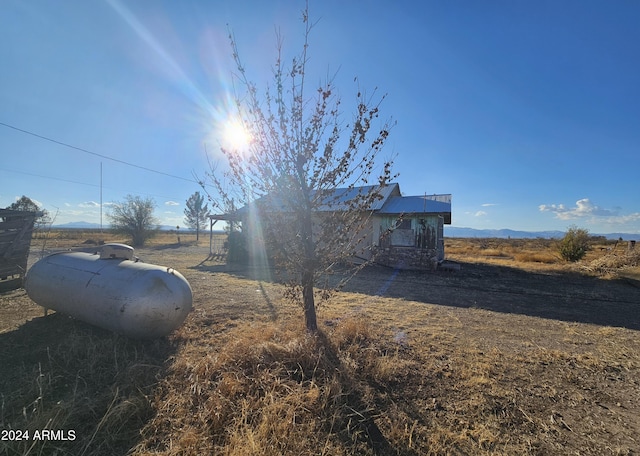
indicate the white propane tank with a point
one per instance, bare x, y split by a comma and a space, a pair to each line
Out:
112, 290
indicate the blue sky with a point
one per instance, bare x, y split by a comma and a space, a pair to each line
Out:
528, 112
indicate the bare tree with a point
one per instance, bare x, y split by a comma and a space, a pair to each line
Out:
300, 152
196, 213
134, 217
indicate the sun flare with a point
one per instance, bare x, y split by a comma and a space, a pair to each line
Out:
236, 135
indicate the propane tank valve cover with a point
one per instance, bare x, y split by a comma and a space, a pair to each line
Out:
116, 251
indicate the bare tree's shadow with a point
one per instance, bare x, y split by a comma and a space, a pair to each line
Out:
260, 273
568, 297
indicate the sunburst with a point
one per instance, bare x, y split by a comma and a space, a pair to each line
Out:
235, 135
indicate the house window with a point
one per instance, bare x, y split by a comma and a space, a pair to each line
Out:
403, 235
396, 232
403, 224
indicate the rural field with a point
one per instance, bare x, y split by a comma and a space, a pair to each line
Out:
515, 352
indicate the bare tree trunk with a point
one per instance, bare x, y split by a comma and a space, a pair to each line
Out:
308, 266
309, 302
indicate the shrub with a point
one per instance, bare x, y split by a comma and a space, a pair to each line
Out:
237, 248
575, 244
134, 217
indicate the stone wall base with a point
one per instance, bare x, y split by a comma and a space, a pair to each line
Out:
407, 258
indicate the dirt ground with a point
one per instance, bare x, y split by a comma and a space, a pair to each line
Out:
532, 361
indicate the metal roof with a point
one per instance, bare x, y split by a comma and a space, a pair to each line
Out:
416, 205
334, 200
337, 199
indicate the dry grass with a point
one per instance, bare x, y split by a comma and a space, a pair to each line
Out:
492, 359
272, 390
509, 250
614, 261
534, 253
69, 378
536, 257
53, 239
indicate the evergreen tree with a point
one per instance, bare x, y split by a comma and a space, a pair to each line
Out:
25, 203
196, 213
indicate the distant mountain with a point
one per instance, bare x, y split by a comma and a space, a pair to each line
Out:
453, 231
449, 231
96, 226
173, 228
77, 225
624, 236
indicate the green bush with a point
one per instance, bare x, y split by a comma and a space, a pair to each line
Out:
575, 244
237, 248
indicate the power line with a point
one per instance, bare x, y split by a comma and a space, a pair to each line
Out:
95, 153
47, 177
81, 183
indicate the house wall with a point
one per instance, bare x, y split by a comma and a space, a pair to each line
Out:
408, 258
255, 244
420, 230
368, 242
259, 252
365, 236
415, 242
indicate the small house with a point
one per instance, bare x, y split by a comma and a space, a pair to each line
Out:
403, 232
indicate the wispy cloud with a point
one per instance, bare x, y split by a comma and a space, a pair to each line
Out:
488, 204
171, 203
583, 208
89, 204
74, 212
624, 219
480, 214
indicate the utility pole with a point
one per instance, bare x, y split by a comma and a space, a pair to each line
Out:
100, 197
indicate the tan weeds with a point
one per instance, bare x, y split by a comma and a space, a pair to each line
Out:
274, 389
